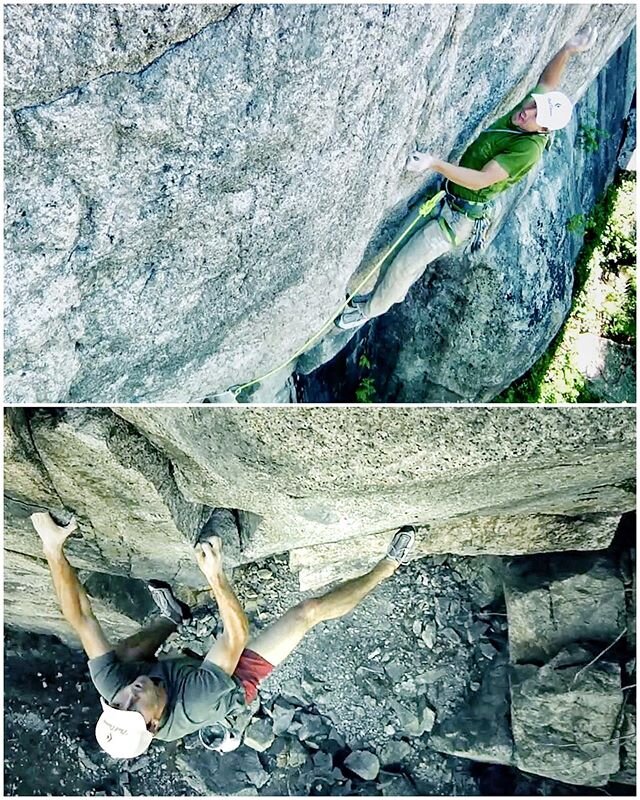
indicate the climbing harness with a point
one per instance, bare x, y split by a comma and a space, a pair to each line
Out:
480, 213
424, 210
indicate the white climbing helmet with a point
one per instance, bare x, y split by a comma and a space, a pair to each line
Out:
554, 110
122, 734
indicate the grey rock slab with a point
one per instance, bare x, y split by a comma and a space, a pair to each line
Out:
323, 763
282, 717
170, 184
395, 670
365, 764
122, 491
535, 532
428, 634
415, 718
312, 728
278, 463
576, 597
565, 718
394, 752
487, 650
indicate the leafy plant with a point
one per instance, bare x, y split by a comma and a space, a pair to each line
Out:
366, 391
590, 136
577, 223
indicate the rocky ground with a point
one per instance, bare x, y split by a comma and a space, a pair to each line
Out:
349, 713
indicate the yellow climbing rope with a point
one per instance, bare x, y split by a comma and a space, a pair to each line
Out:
423, 211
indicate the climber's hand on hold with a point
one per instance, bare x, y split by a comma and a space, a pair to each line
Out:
209, 558
583, 40
419, 162
53, 536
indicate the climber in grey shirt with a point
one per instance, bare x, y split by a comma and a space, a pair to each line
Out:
144, 698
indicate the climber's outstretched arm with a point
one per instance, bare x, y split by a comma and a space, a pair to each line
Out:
228, 647
552, 73
464, 176
71, 595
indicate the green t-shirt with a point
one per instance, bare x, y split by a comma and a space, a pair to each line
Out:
516, 153
198, 692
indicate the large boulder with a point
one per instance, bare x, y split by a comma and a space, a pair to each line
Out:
189, 190
553, 603
565, 718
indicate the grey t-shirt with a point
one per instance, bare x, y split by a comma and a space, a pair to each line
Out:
198, 692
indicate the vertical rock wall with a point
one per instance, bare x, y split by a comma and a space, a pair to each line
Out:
189, 189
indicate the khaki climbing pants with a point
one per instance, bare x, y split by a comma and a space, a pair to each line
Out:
423, 247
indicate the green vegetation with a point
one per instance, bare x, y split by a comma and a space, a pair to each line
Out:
590, 136
577, 223
604, 299
366, 389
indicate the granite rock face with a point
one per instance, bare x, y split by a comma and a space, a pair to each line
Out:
145, 483
183, 181
84, 42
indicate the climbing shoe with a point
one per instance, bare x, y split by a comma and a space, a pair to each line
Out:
402, 544
351, 317
168, 604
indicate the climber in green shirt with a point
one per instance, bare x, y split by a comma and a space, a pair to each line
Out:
499, 158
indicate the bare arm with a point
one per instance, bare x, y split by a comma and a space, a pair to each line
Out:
552, 73
228, 647
464, 176
471, 178
74, 601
